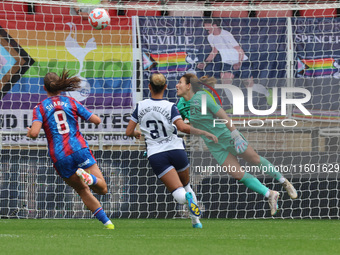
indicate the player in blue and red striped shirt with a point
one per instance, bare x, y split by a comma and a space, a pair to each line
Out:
69, 151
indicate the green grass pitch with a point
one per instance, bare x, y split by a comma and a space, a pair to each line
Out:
171, 236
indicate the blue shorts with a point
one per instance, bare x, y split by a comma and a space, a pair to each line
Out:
83, 158
163, 162
244, 72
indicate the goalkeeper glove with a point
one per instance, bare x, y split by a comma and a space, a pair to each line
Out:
239, 142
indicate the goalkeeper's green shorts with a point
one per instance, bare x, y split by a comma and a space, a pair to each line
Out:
221, 150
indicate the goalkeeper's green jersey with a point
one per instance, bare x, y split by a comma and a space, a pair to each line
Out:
192, 110
184, 108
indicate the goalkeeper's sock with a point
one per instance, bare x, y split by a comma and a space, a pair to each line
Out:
269, 169
254, 184
101, 215
179, 195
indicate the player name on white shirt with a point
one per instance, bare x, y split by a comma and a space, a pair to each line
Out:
156, 118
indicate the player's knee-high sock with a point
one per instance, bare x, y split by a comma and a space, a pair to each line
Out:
101, 215
179, 195
269, 169
88, 178
95, 181
254, 184
261, 89
188, 188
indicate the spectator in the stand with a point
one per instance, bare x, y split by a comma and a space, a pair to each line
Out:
84, 11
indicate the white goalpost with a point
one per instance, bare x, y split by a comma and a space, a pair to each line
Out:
290, 63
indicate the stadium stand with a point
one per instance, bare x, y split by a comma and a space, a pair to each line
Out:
11, 7
273, 13
230, 14
319, 13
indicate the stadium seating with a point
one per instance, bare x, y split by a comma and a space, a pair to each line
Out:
188, 12
317, 13
113, 12
11, 7
273, 13
65, 10
51, 9
146, 12
23, 8
230, 14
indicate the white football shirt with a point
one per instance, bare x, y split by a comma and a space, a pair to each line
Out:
225, 43
156, 118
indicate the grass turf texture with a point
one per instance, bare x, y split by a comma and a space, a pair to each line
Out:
156, 236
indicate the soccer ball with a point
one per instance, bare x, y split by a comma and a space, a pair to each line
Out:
99, 18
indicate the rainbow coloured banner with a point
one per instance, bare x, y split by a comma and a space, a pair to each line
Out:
170, 62
33, 45
318, 67
102, 59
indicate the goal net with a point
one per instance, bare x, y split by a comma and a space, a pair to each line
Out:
284, 98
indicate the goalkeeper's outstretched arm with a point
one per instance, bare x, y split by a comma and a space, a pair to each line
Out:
185, 128
222, 115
